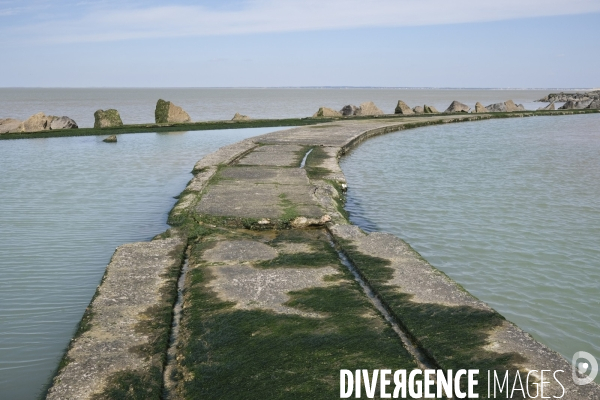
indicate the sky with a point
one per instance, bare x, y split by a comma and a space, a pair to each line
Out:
274, 43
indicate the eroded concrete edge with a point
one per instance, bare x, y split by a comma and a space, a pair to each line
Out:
133, 286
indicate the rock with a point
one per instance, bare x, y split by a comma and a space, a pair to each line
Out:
303, 222
403, 108
575, 105
479, 108
107, 119
63, 123
430, 109
457, 106
326, 112
418, 110
368, 108
240, 117
549, 107
563, 97
37, 122
111, 139
496, 107
348, 110
10, 125
168, 113
595, 105
511, 106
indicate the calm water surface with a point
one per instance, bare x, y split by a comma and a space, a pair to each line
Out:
65, 205
508, 208
137, 105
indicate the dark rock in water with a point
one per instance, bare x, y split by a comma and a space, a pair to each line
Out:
430, 109
575, 105
457, 106
594, 105
418, 110
168, 113
111, 139
348, 110
368, 109
107, 119
11, 125
479, 108
549, 107
403, 108
63, 123
326, 112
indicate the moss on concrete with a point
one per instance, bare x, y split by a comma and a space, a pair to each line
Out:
253, 354
454, 337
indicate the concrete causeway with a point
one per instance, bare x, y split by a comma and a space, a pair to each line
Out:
269, 309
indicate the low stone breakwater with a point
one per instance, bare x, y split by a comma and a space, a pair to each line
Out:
269, 309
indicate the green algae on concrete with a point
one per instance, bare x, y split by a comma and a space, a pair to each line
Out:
270, 312
121, 351
262, 340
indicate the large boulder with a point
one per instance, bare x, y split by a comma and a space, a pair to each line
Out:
240, 117
107, 119
507, 106
511, 106
10, 125
418, 110
63, 123
479, 108
575, 105
403, 108
549, 107
37, 122
430, 109
168, 113
368, 108
327, 112
457, 106
348, 110
594, 105
496, 107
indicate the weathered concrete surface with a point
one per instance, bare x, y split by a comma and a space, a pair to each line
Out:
260, 179
414, 276
131, 286
278, 155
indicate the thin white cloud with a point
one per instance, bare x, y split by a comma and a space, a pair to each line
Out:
262, 16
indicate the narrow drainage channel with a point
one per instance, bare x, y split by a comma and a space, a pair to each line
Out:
303, 163
423, 361
168, 383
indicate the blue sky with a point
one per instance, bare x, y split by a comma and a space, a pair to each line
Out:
399, 43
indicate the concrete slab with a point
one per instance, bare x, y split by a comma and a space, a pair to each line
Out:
274, 155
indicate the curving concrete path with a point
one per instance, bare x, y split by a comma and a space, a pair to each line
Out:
268, 307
